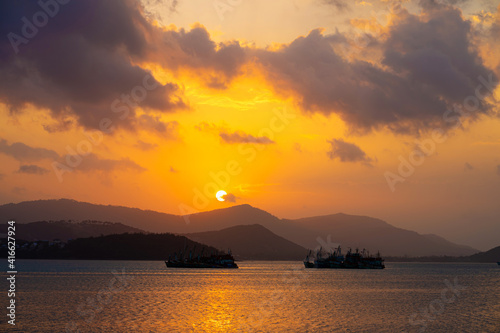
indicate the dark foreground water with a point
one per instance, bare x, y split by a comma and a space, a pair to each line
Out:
134, 296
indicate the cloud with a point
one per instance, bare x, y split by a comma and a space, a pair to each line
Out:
230, 197
468, 166
92, 163
32, 169
156, 9
347, 152
172, 170
208, 127
145, 146
167, 130
232, 137
340, 5
217, 64
23, 152
79, 63
428, 64
241, 137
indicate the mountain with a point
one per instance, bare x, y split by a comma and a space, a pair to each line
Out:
252, 242
72, 210
113, 247
64, 230
373, 234
313, 232
492, 255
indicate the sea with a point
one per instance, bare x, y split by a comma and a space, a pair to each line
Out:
260, 296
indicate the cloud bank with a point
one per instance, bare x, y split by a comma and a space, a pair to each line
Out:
79, 64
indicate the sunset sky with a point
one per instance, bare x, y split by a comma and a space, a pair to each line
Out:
301, 107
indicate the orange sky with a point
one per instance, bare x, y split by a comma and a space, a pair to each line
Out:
289, 120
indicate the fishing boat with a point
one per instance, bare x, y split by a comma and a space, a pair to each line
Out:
214, 260
353, 260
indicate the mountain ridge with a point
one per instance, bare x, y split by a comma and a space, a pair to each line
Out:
327, 230
252, 241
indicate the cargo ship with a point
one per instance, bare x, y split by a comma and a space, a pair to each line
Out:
216, 260
352, 260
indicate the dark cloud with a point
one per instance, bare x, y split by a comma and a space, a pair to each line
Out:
347, 152
219, 63
495, 28
429, 4
60, 125
230, 197
429, 65
81, 60
86, 58
468, 166
32, 169
232, 137
241, 137
23, 152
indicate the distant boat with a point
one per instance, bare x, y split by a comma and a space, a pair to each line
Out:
212, 261
498, 262
335, 259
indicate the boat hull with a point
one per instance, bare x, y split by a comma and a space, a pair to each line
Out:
350, 261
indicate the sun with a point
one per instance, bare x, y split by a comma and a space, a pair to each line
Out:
220, 195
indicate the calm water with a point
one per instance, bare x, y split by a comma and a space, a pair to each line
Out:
60, 296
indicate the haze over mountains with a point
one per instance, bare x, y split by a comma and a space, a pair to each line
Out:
251, 242
65, 230
327, 231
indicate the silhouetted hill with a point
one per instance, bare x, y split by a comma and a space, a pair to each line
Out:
64, 230
492, 255
376, 235
229, 217
253, 242
71, 210
348, 230
116, 247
